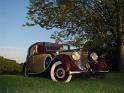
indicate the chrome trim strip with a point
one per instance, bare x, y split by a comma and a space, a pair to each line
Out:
79, 72
76, 72
103, 71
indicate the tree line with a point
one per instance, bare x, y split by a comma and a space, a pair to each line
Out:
8, 66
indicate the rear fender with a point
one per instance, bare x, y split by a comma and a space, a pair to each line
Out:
67, 62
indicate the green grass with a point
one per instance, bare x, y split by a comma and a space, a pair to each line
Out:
113, 83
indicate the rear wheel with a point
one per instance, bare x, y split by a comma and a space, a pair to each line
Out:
58, 73
26, 71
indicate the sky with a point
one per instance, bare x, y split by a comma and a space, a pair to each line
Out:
15, 39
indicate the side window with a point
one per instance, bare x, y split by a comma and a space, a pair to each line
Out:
36, 49
31, 51
39, 49
66, 47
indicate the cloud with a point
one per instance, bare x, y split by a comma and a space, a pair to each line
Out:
14, 53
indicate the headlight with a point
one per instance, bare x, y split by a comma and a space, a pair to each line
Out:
76, 56
57, 52
94, 56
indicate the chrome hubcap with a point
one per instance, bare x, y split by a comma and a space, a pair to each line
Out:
60, 73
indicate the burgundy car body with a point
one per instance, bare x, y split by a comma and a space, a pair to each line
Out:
47, 51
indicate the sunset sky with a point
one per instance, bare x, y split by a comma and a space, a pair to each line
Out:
15, 38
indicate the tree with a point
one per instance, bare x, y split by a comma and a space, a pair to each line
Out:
8, 66
81, 21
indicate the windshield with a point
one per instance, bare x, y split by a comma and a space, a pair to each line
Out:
73, 48
67, 47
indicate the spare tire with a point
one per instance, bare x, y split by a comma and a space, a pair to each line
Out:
47, 61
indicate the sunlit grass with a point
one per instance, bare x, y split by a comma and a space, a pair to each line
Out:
113, 83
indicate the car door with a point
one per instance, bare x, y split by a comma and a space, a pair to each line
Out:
30, 59
37, 64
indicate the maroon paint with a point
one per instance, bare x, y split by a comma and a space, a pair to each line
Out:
69, 65
100, 65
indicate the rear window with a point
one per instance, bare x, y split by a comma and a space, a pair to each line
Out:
36, 49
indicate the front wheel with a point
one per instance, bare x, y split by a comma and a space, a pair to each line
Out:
58, 73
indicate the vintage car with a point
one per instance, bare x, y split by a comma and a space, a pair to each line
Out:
61, 62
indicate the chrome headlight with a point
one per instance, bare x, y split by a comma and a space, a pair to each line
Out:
94, 56
76, 56
57, 52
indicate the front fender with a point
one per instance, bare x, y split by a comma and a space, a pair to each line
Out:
102, 66
67, 62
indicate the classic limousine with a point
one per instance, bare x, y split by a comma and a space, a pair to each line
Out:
60, 61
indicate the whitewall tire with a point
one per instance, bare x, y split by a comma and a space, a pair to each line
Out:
58, 73
25, 71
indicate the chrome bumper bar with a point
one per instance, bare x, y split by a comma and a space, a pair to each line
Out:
81, 72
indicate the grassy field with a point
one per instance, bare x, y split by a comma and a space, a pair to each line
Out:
113, 83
